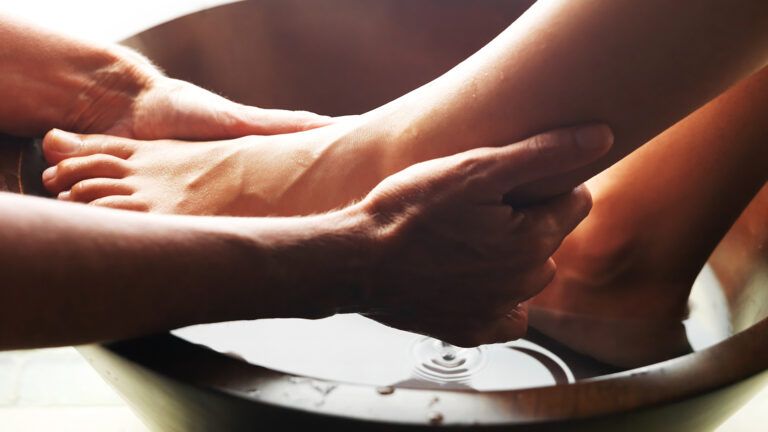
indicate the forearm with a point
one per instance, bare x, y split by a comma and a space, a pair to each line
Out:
49, 80
74, 274
637, 66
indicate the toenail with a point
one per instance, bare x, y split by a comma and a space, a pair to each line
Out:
64, 142
49, 173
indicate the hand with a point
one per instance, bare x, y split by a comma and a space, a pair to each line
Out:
451, 259
158, 107
53, 81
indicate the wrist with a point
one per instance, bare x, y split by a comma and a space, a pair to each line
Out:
302, 267
353, 228
336, 260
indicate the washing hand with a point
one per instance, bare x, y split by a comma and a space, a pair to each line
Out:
452, 260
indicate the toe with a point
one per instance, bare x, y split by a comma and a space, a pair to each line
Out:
70, 171
121, 203
96, 188
59, 145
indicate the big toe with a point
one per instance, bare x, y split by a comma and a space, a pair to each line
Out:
59, 145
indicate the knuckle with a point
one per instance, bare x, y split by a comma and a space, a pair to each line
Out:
473, 180
473, 164
66, 166
548, 224
538, 143
469, 165
541, 145
550, 144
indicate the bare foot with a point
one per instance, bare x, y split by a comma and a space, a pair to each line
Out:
616, 297
293, 174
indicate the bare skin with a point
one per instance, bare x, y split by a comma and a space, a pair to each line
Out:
623, 283
253, 175
625, 274
639, 91
512, 88
50, 80
440, 225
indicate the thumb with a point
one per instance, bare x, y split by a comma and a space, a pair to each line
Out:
548, 154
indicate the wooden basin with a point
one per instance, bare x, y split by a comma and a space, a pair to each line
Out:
347, 56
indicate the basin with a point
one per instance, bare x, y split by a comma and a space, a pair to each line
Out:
341, 57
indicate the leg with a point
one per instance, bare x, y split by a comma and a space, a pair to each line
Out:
657, 216
517, 85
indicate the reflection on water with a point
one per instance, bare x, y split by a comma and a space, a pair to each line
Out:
351, 348
710, 320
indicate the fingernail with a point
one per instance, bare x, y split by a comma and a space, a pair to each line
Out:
63, 196
49, 173
64, 142
594, 137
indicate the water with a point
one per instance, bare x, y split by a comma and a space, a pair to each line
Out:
351, 348
354, 349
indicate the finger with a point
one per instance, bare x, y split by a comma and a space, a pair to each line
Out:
557, 217
530, 283
547, 155
453, 329
276, 121
59, 145
512, 325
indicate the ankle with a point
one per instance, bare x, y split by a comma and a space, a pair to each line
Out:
351, 159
